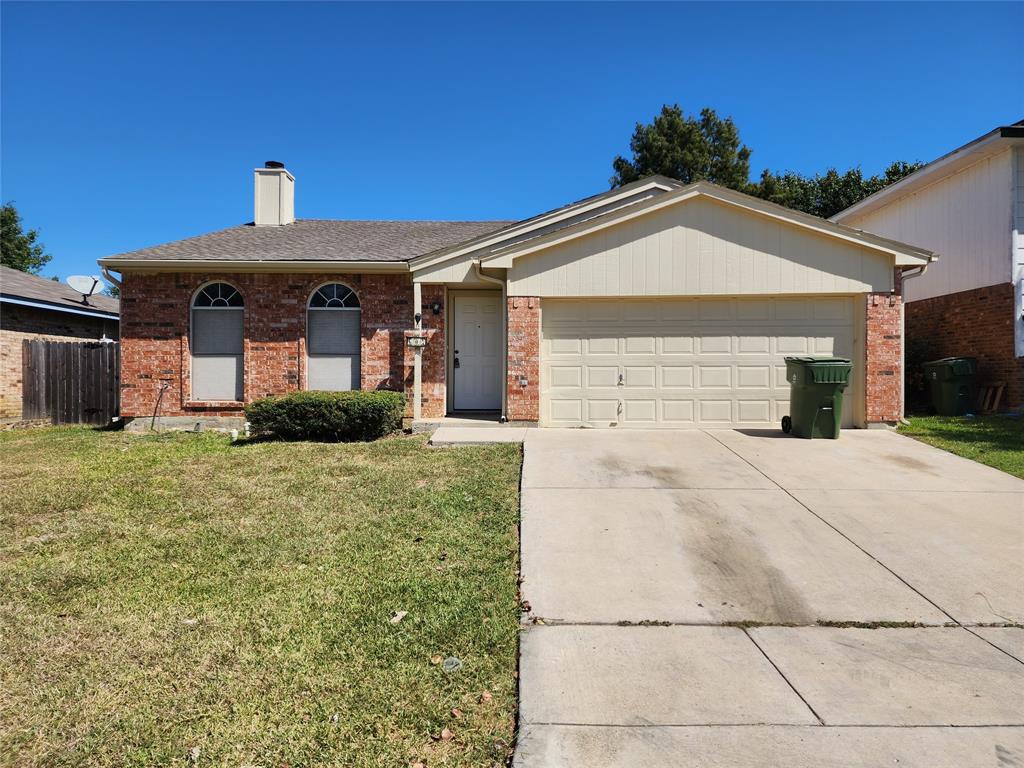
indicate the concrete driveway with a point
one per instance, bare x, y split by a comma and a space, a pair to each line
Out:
704, 598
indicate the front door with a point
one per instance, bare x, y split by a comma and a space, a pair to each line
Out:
476, 351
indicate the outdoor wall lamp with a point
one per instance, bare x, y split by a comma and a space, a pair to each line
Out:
417, 317
436, 307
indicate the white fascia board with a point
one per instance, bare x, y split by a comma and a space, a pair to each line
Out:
514, 230
99, 313
201, 265
904, 254
991, 143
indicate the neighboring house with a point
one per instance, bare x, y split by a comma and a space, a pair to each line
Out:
653, 305
967, 206
33, 307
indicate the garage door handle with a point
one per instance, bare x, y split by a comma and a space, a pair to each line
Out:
620, 380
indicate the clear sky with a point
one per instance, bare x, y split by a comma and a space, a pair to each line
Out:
125, 125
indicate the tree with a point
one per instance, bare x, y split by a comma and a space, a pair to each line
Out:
19, 249
828, 194
686, 148
113, 291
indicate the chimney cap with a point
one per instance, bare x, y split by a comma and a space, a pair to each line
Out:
273, 164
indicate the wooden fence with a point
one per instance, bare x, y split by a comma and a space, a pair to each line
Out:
71, 382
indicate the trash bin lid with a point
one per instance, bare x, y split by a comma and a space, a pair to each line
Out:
960, 365
818, 360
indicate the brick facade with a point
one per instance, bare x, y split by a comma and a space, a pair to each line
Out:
155, 338
18, 323
883, 362
523, 358
976, 323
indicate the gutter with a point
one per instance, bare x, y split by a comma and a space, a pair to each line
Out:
504, 334
103, 315
211, 265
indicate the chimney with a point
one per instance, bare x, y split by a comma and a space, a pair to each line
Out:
275, 195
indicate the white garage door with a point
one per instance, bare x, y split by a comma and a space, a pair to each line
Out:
684, 362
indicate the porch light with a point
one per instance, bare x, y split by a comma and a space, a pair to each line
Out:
436, 307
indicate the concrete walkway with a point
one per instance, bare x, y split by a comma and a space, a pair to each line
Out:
699, 599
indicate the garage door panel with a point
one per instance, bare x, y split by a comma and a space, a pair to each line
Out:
640, 345
639, 376
677, 412
677, 345
714, 345
682, 363
677, 376
602, 376
753, 411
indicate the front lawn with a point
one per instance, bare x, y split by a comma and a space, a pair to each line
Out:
994, 440
176, 600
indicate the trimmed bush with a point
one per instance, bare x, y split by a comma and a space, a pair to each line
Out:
331, 416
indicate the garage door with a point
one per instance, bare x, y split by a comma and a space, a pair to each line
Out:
683, 362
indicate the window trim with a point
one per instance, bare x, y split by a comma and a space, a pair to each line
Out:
191, 339
305, 341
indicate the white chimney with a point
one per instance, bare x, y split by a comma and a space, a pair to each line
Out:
275, 195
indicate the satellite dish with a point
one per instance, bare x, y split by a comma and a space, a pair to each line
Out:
84, 284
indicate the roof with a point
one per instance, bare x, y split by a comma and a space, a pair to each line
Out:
317, 240
22, 288
993, 142
501, 254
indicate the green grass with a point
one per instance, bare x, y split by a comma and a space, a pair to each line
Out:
994, 440
175, 600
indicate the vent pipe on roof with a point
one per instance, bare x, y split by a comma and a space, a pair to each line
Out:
275, 195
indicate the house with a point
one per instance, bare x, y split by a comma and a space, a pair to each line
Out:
33, 307
657, 304
969, 207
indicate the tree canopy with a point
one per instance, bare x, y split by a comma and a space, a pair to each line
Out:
19, 249
709, 148
686, 148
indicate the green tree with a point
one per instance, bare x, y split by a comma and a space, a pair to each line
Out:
826, 194
686, 148
19, 249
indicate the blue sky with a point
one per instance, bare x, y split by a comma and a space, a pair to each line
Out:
125, 125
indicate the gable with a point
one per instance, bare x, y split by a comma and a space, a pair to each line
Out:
701, 246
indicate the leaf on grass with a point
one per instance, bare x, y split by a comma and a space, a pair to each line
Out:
397, 616
447, 734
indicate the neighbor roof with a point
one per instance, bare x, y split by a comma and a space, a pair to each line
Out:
993, 142
22, 288
317, 240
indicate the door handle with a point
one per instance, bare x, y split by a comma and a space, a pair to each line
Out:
456, 363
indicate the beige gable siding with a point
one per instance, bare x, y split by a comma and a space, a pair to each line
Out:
966, 218
700, 248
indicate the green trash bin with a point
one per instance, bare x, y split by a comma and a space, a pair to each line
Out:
816, 395
951, 384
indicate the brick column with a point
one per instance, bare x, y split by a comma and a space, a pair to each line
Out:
883, 362
523, 358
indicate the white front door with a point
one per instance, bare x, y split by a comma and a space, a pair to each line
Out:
476, 351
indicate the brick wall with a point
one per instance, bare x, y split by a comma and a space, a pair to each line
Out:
523, 358
155, 346
883, 367
18, 323
976, 323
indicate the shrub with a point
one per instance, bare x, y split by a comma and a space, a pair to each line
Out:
332, 416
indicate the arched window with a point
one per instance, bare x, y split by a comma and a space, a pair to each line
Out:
332, 338
216, 342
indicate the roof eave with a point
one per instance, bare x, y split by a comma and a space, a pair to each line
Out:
102, 314
263, 265
903, 253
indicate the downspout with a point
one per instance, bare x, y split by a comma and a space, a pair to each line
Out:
504, 334
903, 338
109, 277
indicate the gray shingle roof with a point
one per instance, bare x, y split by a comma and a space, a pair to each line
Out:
320, 240
22, 285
